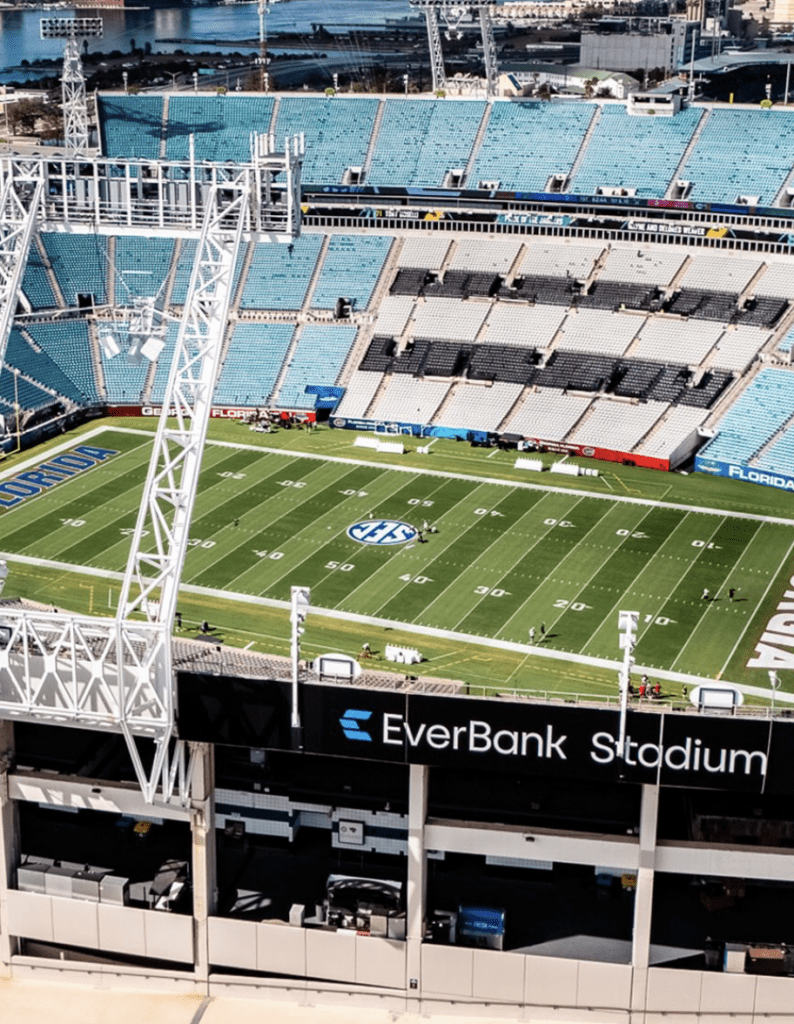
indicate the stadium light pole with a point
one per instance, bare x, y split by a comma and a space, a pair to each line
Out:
627, 625
298, 612
774, 683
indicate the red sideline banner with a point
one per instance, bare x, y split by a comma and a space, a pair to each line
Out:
219, 412
605, 454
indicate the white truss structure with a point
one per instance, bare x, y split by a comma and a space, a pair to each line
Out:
75, 103
118, 674
21, 191
453, 12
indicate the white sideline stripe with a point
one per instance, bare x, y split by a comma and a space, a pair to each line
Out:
520, 484
409, 627
20, 467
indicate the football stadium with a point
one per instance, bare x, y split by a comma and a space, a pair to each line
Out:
397, 523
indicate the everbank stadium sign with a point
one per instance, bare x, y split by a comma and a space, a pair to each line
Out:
775, 649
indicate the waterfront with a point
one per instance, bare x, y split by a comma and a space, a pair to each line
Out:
125, 28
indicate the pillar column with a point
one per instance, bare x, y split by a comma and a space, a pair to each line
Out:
416, 888
643, 898
203, 853
9, 846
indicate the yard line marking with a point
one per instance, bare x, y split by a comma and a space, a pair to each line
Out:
647, 566
554, 570
709, 604
410, 627
521, 484
520, 558
444, 534
455, 579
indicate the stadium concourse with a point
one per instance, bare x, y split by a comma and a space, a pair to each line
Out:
581, 341
571, 277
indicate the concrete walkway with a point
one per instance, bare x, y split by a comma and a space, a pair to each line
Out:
24, 1002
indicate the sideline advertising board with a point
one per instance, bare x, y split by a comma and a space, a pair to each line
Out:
671, 747
735, 471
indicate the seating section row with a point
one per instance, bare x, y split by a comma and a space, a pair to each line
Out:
765, 406
521, 146
634, 152
568, 370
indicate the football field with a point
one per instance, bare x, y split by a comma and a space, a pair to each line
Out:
505, 559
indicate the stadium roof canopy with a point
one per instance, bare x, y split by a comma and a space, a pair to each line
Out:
731, 61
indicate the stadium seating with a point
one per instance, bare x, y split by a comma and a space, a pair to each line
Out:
615, 424
519, 324
253, 363
717, 272
221, 125
677, 425
67, 354
478, 408
359, 393
408, 400
634, 152
754, 418
738, 346
184, 268
80, 265
351, 268
279, 275
547, 414
643, 266
424, 250
142, 266
163, 367
16, 390
597, 330
425, 139
132, 126
757, 161
37, 364
688, 342
36, 284
559, 259
526, 143
124, 381
337, 133
779, 457
319, 356
444, 318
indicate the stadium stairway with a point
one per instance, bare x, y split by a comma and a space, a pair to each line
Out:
164, 126
318, 269
373, 139
597, 115
384, 383
761, 452
516, 407
110, 284
367, 329
787, 184
248, 257
475, 149
289, 355
671, 187
271, 128
53, 280
96, 359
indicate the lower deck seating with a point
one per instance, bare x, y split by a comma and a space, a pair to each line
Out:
252, 364
765, 406
319, 356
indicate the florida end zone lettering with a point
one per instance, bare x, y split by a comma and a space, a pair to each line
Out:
32, 482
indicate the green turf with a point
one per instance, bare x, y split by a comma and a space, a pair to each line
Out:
505, 558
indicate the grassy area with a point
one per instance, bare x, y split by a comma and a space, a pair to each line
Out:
560, 559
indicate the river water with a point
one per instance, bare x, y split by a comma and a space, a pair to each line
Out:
20, 37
